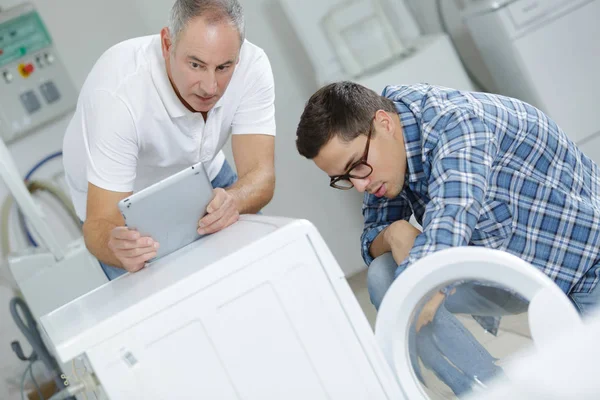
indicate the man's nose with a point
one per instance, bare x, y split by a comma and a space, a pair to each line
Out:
360, 184
209, 84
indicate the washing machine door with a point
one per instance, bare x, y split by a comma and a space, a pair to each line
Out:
451, 321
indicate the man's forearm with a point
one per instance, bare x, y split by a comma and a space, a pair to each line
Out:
96, 234
379, 246
398, 238
253, 191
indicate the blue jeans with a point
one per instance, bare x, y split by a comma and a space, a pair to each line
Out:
225, 178
445, 346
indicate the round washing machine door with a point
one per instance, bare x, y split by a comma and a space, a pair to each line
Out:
452, 320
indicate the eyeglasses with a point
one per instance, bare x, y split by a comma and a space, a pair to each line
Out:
359, 170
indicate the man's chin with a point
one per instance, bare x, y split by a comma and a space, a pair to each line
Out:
203, 106
202, 109
392, 193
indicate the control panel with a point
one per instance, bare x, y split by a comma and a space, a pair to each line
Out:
34, 85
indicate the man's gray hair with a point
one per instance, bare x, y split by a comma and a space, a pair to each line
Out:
215, 11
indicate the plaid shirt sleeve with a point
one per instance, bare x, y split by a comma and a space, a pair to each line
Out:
379, 214
461, 160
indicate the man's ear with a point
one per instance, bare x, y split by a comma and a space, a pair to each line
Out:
166, 42
384, 122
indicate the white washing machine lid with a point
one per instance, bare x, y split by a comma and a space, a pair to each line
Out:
549, 310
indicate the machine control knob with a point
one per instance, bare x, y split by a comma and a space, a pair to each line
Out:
8, 77
49, 58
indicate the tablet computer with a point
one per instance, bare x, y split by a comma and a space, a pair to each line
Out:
168, 211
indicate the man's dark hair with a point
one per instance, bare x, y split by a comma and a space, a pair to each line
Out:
345, 109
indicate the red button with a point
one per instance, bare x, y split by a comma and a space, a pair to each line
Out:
28, 69
1, 51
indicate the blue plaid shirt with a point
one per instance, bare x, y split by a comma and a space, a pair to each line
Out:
487, 170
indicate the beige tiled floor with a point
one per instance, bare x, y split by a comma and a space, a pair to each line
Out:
513, 333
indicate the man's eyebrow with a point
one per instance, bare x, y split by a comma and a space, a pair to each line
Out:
199, 61
350, 162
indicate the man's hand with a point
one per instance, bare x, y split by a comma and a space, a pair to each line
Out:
222, 212
130, 248
400, 237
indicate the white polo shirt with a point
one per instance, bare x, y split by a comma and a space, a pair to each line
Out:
130, 129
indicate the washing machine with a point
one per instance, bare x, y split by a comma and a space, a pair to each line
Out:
546, 53
262, 310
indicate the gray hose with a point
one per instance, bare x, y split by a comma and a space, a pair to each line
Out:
29, 370
31, 333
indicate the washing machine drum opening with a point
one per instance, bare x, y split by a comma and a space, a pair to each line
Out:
460, 336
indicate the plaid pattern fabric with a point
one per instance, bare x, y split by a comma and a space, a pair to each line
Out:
488, 170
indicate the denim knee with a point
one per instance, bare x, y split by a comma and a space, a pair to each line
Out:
380, 276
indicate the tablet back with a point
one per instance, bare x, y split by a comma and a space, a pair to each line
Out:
169, 210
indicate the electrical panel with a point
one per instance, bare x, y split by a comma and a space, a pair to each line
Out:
34, 85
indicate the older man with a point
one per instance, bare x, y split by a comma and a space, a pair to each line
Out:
152, 106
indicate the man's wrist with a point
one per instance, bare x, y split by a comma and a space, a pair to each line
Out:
235, 195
